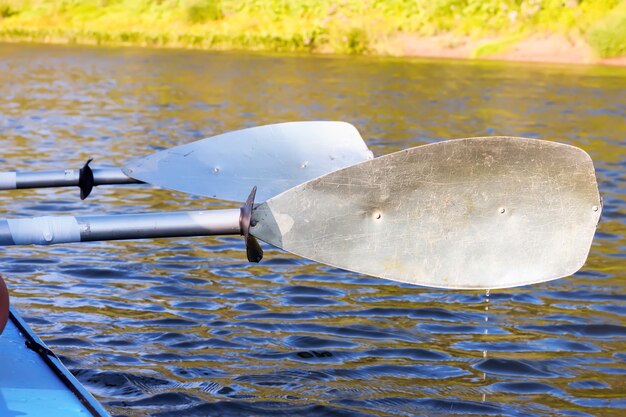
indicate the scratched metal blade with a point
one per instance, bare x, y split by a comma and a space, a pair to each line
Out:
273, 157
469, 213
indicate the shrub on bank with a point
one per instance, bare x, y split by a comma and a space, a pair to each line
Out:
339, 26
608, 37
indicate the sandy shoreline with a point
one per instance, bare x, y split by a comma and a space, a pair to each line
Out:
539, 48
549, 48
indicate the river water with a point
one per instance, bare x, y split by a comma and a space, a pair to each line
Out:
188, 327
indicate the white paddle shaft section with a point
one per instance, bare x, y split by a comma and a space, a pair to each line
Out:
44, 230
8, 181
66, 178
50, 230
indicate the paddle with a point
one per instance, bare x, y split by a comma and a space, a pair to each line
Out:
85, 178
465, 214
225, 166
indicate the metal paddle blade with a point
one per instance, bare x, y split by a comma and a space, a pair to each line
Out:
273, 157
470, 213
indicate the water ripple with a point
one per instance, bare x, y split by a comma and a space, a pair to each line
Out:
188, 327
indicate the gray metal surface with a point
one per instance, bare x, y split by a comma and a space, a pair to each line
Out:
157, 225
469, 213
49, 230
273, 157
68, 178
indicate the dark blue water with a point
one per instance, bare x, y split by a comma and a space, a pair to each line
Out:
188, 327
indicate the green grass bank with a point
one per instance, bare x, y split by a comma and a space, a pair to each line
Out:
455, 28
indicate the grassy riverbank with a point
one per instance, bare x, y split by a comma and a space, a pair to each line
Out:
459, 28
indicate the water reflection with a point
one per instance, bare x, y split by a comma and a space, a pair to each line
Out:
156, 327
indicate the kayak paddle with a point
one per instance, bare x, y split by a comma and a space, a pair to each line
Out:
466, 214
225, 166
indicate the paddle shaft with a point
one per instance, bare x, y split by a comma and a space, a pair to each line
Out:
66, 178
50, 230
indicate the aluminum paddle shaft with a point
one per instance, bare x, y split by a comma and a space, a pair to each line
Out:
50, 230
65, 178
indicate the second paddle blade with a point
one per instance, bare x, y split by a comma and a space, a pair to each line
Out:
272, 157
469, 213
